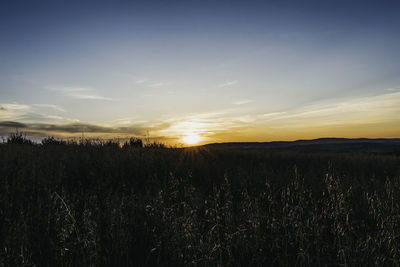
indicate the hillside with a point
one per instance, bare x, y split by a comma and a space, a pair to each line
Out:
379, 145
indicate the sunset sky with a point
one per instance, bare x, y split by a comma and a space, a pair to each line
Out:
193, 72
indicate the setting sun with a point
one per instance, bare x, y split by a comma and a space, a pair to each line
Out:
191, 138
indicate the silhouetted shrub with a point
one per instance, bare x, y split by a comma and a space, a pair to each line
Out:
53, 141
111, 143
18, 138
133, 142
155, 145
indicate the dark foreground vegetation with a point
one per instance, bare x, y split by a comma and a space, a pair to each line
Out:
100, 204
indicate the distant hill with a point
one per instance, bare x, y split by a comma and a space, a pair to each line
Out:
379, 145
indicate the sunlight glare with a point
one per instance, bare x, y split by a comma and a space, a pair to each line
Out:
191, 138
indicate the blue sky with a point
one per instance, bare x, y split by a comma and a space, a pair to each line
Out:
214, 70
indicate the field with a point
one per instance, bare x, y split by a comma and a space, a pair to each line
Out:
99, 204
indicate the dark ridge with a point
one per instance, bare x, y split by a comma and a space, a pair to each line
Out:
378, 145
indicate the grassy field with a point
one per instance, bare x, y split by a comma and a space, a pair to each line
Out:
99, 204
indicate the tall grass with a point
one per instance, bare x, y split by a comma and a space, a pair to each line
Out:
99, 204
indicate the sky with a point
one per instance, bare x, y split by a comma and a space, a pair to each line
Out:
194, 72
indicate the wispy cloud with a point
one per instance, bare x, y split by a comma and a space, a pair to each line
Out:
82, 93
49, 106
242, 102
33, 113
12, 111
90, 97
345, 117
227, 83
273, 114
337, 118
14, 106
35, 117
151, 83
383, 108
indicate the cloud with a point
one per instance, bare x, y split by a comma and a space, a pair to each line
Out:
90, 97
14, 106
46, 113
41, 119
13, 111
2, 108
151, 83
377, 114
33, 116
227, 83
49, 106
242, 102
382, 108
89, 130
82, 93
273, 114
343, 117
70, 128
12, 124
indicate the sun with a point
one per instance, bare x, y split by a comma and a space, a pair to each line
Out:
191, 138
